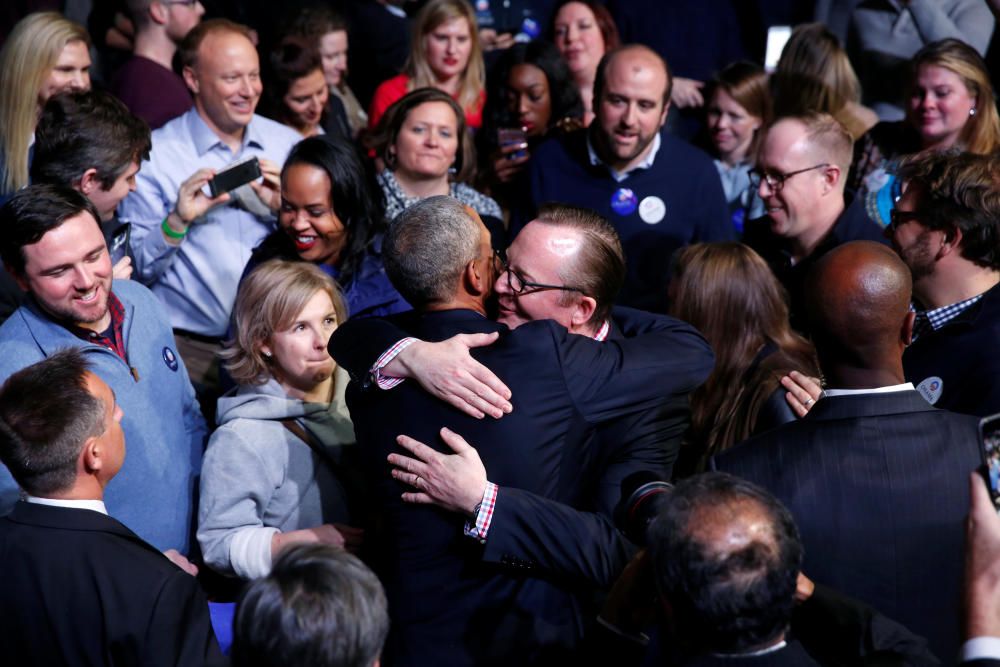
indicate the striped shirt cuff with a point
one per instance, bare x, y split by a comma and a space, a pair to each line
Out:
484, 516
387, 381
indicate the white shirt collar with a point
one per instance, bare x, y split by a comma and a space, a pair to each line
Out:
95, 505
620, 176
906, 386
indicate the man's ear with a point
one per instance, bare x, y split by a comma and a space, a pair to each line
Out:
91, 456
832, 176
89, 182
583, 311
191, 80
951, 242
158, 12
906, 333
475, 277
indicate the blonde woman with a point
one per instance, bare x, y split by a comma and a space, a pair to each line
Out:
277, 471
445, 53
45, 54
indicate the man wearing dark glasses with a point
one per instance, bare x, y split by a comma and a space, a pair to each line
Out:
946, 228
800, 174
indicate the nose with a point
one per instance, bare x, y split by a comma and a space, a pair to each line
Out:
629, 117
246, 88
572, 34
83, 279
522, 105
450, 46
199, 9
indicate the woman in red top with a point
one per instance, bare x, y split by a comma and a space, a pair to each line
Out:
445, 54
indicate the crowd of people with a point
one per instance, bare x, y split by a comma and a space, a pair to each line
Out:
477, 333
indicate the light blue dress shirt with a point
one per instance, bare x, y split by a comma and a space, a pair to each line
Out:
196, 281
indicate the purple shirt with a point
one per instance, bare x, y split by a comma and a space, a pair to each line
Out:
151, 91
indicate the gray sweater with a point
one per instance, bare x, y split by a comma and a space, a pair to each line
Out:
258, 478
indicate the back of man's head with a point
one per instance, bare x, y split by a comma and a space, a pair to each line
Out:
959, 191
319, 606
46, 415
858, 302
726, 556
88, 130
31, 213
428, 247
598, 268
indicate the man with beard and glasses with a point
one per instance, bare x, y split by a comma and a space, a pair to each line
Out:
659, 193
946, 228
53, 247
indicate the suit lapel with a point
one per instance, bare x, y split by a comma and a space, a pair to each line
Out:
869, 405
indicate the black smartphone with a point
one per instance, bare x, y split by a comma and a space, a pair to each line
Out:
508, 136
234, 176
989, 436
118, 245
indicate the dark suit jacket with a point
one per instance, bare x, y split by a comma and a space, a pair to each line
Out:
82, 589
878, 485
448, 605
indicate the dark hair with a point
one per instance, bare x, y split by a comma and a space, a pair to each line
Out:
605, 22
351, 194
602, 68
392, 121
80, 131
319, 606
46, 414
564, 95
31, 213
729, 293
746, 84
599, 268
427, 247
959, 190
725, 599
292, 59
313, 22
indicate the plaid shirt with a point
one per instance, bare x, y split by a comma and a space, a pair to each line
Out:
932, 320
113, 337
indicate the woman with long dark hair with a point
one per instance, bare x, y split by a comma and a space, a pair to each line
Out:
729, 294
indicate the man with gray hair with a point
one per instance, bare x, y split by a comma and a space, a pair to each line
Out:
449, 604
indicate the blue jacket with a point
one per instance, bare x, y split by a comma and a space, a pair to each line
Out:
153, 494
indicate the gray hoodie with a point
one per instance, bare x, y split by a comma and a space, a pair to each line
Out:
258, 478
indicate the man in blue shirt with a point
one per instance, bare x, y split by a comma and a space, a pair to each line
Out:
53, 246
190, 248
658, 192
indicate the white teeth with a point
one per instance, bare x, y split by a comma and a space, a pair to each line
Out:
305, 239
89, 296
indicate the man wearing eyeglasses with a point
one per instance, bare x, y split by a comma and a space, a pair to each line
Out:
458, 599
146, 83
800, 175
946, 228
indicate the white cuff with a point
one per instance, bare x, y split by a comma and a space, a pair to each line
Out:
250, 551
981, 648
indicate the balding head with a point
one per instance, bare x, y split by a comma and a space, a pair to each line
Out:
858, 299
634, 58
726, 556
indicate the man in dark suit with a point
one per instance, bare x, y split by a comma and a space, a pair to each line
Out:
874, 476
83, 588
449, 606
570, 246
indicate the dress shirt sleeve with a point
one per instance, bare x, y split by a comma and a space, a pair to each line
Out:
479, 527
146, 208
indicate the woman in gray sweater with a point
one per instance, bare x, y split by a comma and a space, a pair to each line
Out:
277, 470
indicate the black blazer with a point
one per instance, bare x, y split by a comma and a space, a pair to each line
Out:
878, 485
448, 605
82, 589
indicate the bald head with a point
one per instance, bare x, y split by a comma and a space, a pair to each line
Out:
726, 555
858, 299
634, 60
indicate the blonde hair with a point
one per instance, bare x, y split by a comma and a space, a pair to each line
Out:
269, 300
434, 14
981, 133
30, 52
815, 74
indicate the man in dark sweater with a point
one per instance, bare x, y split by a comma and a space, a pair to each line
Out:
800, 175
658, 192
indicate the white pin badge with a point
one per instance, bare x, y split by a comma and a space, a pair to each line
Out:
652, 209
931, 389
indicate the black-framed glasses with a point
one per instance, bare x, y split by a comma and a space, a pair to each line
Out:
775, 180
516, 282
898, 218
